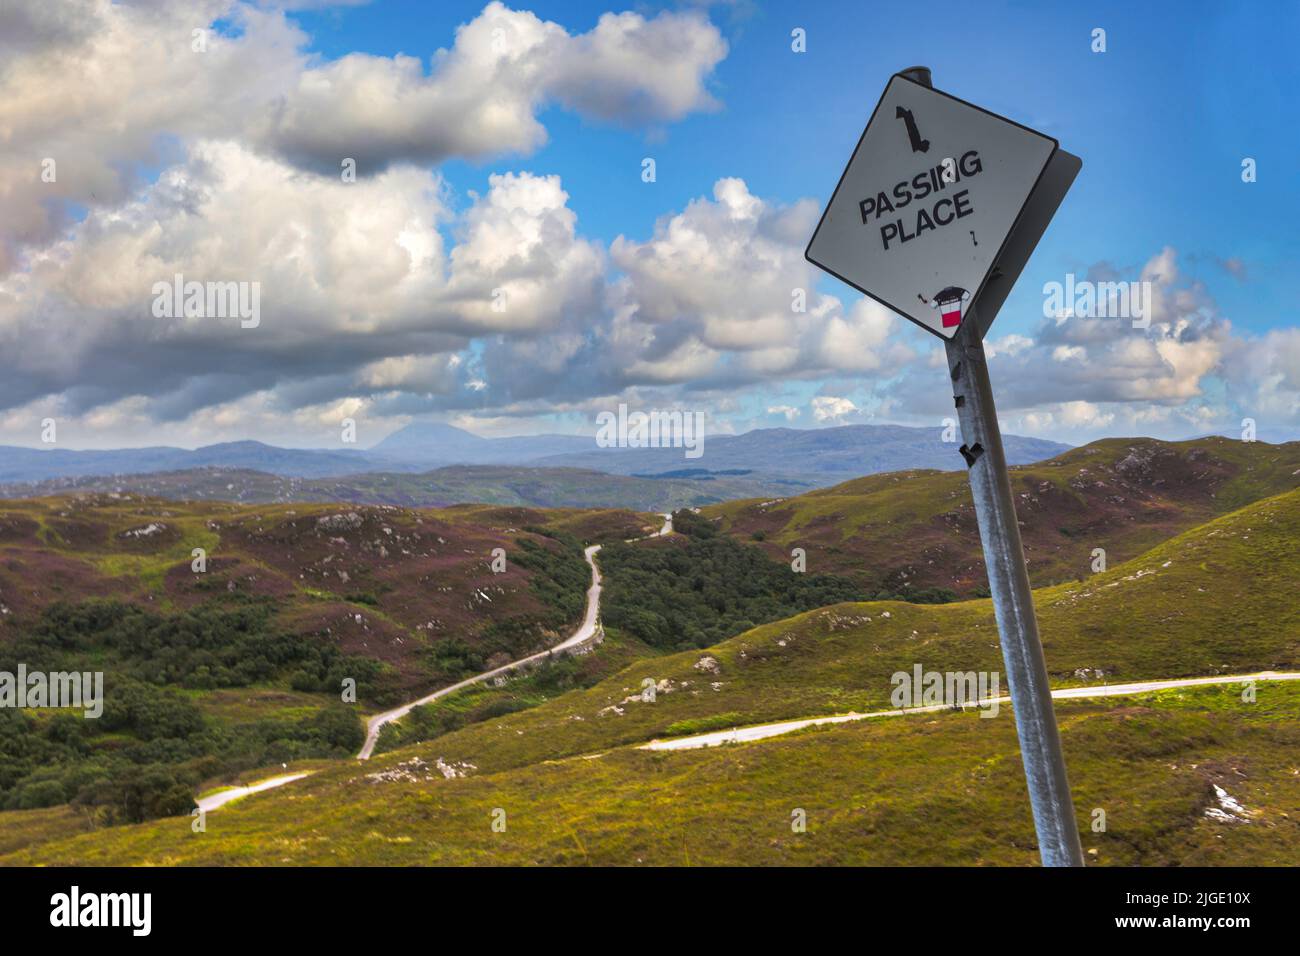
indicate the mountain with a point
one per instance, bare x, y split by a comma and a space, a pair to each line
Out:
434, 443
454, 484
816, 456
765, 461
30, 464
430, 439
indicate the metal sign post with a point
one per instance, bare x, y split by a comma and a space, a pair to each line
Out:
1013, 601
1005, 196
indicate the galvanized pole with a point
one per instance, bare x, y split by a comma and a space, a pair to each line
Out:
1013, 600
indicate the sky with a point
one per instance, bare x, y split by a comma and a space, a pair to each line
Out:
499, 260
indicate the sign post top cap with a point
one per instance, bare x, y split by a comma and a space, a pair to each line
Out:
917, 74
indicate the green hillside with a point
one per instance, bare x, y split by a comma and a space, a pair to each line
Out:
943, 788
209, 673
1217, 600
927, 790
915, 530
384, 583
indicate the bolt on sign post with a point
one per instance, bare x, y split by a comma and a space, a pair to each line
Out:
935, 216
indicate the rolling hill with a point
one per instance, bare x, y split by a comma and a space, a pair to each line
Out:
942, 790
30, 464
935, 788
916, 529
1215, 600
382, 581
228, 635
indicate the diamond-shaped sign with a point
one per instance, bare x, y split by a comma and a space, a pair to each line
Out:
927, 202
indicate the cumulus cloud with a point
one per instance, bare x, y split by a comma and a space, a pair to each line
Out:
481, 97
1090, 359
389, 296
519, 265
357, 293
1268, 369
362, 305
1188, 372
829, 408
154, 84
722, 293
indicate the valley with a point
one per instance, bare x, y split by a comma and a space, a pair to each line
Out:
1149, 659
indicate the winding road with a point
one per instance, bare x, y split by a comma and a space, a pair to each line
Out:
763, 731
583, 636
590, 628
585, 633
222, 797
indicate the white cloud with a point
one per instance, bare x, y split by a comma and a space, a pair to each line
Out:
713, 293
357, 292
104, 89
366, 307
519, 264
1187, 374
828, 408
1012, 344
1067, 353
481, 97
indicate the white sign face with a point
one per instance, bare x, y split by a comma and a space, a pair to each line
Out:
927, 201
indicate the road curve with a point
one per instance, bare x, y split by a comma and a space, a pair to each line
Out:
222, 797
585, 633
582, 636
763, 731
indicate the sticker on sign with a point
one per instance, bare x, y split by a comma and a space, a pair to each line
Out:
927, 202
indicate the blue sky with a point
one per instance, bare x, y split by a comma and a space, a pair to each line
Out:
1162, 120
520, 171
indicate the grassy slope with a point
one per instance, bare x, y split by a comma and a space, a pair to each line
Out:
942, 789
413, 578
918, 529
1219, 599
385, 589
540, 684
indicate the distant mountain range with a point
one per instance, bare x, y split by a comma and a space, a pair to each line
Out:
31, 464
431, 444
455, 484
815, 456
417, 447
810, 453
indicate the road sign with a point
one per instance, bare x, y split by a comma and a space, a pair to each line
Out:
1043, 203
928, 201
929, 171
